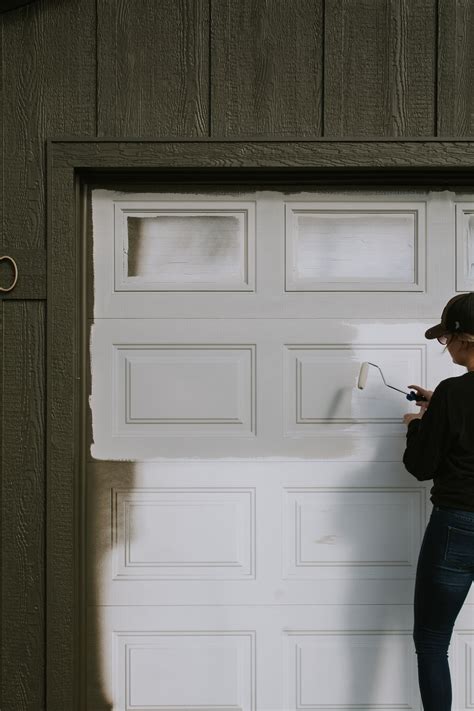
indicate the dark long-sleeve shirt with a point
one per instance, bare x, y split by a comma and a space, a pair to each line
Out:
440, 445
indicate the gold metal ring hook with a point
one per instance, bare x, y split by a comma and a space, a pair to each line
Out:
15, 268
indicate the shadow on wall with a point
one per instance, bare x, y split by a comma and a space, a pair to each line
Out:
98, 697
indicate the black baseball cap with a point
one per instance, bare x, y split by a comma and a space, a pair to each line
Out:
457, 317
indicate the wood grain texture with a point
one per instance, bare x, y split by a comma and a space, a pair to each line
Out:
48, 88
456, 68
310, 154
380, 68
64, 444
23, 501
266, 68
153, 63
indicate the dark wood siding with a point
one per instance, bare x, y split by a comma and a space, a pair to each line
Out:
380, 68
153, 68
179, 68
266, 68
23, 504
456, 68
47, 87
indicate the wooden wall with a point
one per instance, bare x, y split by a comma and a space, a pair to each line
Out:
175, 68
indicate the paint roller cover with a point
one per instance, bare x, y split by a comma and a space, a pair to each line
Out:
363, 373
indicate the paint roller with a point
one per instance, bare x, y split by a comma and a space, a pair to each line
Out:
362, 381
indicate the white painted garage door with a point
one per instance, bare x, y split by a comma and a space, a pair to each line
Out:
252, 534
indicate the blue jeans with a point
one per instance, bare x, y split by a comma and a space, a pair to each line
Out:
444, 575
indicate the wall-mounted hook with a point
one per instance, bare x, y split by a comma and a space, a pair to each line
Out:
15, 269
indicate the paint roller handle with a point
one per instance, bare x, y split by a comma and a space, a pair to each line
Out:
416, 396
419, 394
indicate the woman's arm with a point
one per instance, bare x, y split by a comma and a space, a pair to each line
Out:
428, 436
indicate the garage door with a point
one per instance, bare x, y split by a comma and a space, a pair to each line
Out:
252, 534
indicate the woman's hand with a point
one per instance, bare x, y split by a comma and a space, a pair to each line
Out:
412, 416
422, 391
422, 405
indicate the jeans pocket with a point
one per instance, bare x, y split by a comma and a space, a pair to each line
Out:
460, 547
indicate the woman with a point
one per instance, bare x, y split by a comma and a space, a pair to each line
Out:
440, 446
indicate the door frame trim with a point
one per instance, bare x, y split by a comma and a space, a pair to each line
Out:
73, 165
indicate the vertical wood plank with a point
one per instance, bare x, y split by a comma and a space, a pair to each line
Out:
380, 67
153, 67
456, 68
23, 502
48, 90
266, 68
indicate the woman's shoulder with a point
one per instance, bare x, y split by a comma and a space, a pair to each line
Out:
456, 382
